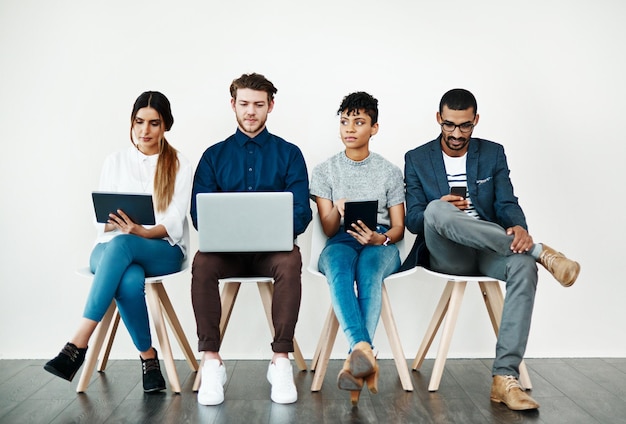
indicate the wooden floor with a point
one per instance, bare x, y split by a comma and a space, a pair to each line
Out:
569, 391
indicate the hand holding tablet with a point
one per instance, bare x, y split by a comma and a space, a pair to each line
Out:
366, 211
138, 207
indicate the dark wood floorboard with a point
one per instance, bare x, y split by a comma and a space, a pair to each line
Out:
570, 391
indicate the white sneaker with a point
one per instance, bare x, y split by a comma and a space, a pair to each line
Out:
280, 376
211, 390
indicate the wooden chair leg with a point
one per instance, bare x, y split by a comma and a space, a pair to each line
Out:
323, 336
198, 379
177, 329
228, 297
266, 290
524, 378
325, 347
94, 351
454, 307
494, 301
108, 341
154, 303
433, 327
394, 341
298, 357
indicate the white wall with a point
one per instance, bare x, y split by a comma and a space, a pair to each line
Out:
548, 75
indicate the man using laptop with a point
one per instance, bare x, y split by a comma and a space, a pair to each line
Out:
250, 160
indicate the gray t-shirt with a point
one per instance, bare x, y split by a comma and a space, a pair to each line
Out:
373, 178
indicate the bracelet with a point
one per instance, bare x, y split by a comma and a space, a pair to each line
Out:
386, 243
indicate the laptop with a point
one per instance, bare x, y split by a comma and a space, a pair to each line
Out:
138, 206
245, 222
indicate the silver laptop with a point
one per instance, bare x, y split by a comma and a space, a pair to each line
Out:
245, 222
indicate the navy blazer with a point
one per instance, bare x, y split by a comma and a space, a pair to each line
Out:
488, 184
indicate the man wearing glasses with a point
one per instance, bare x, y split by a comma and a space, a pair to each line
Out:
460, 203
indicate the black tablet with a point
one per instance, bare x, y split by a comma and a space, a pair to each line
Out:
138, 207
366, 211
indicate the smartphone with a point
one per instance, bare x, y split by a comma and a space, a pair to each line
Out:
459, 191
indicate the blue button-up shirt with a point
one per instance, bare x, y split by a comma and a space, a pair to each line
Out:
263, 163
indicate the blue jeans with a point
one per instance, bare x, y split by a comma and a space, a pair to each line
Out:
345, 261
120, 267
462, 245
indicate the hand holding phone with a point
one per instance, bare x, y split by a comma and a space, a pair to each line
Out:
459, 191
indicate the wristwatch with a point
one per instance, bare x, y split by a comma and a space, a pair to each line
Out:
386, 243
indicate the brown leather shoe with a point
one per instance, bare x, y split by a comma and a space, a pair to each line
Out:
564, 270
506, 389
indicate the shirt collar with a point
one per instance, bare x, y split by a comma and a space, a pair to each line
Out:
143, 158
259, 140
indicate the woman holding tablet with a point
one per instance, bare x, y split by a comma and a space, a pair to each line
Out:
359, 254
126, 252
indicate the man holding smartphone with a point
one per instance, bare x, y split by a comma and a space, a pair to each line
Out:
478, 229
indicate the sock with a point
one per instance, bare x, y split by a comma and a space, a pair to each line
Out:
536, 250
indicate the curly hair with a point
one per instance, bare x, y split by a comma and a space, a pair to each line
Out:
360, 100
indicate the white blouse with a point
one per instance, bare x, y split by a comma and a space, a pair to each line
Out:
131, 171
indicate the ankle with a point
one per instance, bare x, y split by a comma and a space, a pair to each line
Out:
536, 250
148, 354
278, 355
207, 356
78, 344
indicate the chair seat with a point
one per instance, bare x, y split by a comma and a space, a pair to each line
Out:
160, 307
86, 272
327, 338
228, 297
330, 327
448, 307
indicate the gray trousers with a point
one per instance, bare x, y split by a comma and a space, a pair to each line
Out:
462, 245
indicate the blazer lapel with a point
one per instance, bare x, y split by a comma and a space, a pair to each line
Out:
471, 166
439, 169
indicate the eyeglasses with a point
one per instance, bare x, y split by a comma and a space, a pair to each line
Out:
465, 127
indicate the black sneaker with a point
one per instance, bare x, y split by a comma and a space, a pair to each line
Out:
152, 378
67, 362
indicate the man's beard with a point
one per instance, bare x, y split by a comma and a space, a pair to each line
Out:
451, 146
251, 129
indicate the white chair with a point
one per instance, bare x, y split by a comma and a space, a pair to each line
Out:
327, 338
228, 297
449, 306
160, 307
